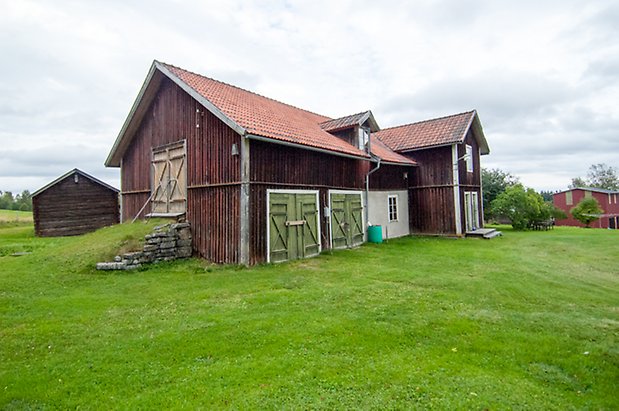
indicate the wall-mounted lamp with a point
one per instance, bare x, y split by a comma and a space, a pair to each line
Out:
76, 178
235, 150
405, 175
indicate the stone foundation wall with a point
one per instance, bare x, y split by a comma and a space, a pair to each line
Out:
167, 242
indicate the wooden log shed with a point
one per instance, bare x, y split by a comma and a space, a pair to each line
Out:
75, 203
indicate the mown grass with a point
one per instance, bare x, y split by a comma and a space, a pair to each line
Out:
530, 320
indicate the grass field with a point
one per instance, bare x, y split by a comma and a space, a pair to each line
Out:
530, 320
12, 217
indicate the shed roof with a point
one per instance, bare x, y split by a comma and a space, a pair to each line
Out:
70, 173
434, 133
388, 156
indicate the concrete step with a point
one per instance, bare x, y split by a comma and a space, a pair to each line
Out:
486, 233
493, 234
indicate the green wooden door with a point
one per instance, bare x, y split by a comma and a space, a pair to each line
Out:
346, 220
293, 226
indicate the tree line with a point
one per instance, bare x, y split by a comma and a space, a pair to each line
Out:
504, 197
22, 202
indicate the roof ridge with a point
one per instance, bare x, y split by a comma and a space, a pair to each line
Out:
245, 90
348, 115
428, 120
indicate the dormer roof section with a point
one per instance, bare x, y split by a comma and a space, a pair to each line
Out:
352, 120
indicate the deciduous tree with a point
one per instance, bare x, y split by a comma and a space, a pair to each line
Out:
586, 211
522, 206
494, 181
598, 176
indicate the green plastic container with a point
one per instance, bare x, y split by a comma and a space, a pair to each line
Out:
375, 234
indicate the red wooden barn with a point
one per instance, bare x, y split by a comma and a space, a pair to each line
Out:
75, 203
568, 199
260, 180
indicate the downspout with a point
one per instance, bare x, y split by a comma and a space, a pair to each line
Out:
456, 189
367, 192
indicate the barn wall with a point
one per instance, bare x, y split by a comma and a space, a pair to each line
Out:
470, 181
431, 202
274, 166
213, 173
378, 212
608, 202
390, 177
69, 208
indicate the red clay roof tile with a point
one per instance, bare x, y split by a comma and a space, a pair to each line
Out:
380, 149
428, 133
266, 117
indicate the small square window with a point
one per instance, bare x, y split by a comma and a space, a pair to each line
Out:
393, 208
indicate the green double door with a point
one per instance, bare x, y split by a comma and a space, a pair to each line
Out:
293, 226
346, 220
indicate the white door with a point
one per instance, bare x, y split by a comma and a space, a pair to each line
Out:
471, 210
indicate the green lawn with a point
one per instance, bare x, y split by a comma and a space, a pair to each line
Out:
530, 320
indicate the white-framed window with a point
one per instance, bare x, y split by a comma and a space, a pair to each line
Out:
363, 138
392, 202
469, 158
568, 198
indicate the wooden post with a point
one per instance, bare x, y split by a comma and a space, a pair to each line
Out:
244, 203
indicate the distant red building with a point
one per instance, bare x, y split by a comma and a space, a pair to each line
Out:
609, 202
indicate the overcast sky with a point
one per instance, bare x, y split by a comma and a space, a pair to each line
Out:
543, 75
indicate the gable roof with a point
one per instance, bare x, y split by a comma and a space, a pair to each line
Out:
434, 133
70, 173
350, 121
249, 114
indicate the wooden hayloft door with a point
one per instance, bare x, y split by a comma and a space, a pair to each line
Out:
293, 225
346, 220
169, 179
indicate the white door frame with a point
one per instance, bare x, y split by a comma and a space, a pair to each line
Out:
268, 221
363, 211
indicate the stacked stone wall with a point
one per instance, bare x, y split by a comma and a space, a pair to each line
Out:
167, 242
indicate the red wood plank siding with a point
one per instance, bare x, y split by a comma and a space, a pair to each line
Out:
214, 215
70, 208
389, 177
431, 198
431, 211
470, 181
213, 173
608, 202
274, 166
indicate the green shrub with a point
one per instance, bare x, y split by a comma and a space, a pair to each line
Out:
586, 211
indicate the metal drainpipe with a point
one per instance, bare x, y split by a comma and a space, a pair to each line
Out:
367, 192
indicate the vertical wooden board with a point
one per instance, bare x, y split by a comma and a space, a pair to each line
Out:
308, 212
339, 229
356, 219
279, 209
